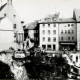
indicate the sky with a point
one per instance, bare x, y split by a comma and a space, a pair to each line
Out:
30, 10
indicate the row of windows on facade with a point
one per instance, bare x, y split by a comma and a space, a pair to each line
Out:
49, 25
6, 15
49, 39
14, 24
54, 32
19, 37
69, 38
54, 39
49, 46
69, 31
55, 25
49, 32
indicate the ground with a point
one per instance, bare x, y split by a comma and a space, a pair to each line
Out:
18, 71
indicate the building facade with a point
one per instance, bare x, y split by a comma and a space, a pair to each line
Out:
11, 30
59, 34
49, 36
67, 34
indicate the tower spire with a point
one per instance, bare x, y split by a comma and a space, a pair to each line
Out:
9, 1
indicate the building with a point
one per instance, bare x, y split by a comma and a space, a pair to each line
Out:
11, 30
67, 31
31, 34
48, 29
58, 34
67, 34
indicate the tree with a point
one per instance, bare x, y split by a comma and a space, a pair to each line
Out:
45, 68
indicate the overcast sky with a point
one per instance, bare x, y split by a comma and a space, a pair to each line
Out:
30, 10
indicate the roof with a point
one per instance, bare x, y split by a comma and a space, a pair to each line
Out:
3, 6
67, 20
31, 25
50, 18
1, 18
64, 20
54, 18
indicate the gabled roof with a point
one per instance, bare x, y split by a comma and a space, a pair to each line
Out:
3, 6
1, 18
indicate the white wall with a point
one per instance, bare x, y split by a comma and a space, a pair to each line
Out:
6, 34
51, 28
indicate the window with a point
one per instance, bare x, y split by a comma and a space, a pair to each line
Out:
48, 46
44, 46
72, 31
68, 24
49, 25
69, 31
43, 31
65, 31
49, 39
4, 15
14, 16
72, 24
49, 32
54, 31
62, 32
61, 38
68, 38
54, 39
54, 25
43, 38
14, 34
14, 26
54, 47
72, 38
76, 58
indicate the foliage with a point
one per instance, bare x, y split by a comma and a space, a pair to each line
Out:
43, 67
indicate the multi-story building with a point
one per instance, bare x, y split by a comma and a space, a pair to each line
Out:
67, 34
11, 30
48, 35
58, 34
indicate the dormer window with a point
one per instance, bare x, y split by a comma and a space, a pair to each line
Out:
14, 26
